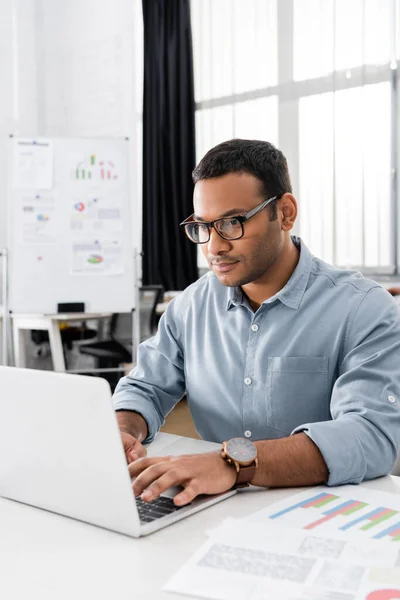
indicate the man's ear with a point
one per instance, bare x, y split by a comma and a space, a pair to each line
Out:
287, 207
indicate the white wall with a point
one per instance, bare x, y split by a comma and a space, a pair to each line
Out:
6, 104
69, 69
85, 67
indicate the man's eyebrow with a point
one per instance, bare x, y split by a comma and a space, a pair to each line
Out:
229, 213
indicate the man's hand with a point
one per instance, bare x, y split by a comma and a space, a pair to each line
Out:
132, 447
197, 473
133, 429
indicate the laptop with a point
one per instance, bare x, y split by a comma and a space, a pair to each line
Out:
61, 451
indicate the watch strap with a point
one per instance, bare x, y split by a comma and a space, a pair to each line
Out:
245, 475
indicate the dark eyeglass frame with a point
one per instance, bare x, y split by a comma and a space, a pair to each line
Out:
241, 218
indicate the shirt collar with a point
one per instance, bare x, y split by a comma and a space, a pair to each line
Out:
292, 293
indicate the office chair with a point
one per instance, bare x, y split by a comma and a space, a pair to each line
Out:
149, 297
69, 333
116, 350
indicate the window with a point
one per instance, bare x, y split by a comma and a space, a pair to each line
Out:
319, 79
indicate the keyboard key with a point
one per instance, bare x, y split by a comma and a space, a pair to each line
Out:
156, 509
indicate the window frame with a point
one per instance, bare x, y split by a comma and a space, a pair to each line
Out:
289, 93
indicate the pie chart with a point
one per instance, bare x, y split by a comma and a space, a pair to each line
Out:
384, 595
95, 259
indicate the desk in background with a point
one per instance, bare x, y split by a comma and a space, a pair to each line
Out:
162, 306
47, 556
50, 323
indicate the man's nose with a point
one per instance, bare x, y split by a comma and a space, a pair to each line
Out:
216, 244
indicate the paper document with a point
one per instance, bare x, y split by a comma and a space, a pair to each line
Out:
39, 221
97, 257
255, 561
33, 164
96, 213
350, 511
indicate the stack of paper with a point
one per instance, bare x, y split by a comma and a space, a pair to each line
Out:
321, 544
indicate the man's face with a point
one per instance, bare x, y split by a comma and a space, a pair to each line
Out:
237, 262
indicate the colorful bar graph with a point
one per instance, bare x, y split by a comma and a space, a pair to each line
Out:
329, 506
320, 501
347, 508
375, 517
315, 501
92, 168
392, 531
385, 514
395, 534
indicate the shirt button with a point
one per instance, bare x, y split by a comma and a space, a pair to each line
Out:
247, 433
254, 327
247, 381
392, 399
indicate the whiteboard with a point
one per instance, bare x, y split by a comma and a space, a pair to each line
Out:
70, 225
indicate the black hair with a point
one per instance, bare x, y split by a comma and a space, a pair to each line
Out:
255, 157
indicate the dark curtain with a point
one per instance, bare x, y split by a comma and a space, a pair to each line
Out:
169, 257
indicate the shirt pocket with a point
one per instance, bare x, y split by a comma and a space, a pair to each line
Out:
297, 391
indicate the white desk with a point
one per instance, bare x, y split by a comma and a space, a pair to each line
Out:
48, 323
46, 556
161, 308
168, 296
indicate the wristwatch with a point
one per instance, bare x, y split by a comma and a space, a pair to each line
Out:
242, 455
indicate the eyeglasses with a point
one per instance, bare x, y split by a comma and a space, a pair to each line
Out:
229, 228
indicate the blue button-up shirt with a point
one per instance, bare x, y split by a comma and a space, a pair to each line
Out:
321, 356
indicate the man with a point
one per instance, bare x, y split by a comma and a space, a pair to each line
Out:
272, 346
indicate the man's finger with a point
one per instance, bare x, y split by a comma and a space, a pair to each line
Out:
154, 473
162, 483
148, 476
143, 463
139, 450
133, 449
188, 494
134, 454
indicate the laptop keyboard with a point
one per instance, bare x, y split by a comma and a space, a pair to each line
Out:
160, 507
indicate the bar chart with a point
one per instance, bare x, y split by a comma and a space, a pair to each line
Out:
92, 169
326, 511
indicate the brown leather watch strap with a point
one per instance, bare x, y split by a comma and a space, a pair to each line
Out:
245, 475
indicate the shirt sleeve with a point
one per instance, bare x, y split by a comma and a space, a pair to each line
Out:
362, 439
157, 383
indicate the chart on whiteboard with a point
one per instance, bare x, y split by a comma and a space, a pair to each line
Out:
95, 212
96, 224
33, 164
38, 217
95, 168
71, 228
97, 257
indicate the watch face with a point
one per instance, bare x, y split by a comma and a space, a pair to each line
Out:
241, 449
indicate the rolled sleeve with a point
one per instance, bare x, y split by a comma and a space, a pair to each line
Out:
362, 440
157, 383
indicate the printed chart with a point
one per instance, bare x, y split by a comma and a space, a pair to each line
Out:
375, 516
91, 168
259, 561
